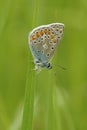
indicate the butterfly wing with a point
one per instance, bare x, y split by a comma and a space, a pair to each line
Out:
58, 31
36, 42
44, 41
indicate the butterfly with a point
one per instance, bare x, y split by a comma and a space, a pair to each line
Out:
43, 42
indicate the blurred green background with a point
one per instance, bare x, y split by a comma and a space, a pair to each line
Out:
16, 21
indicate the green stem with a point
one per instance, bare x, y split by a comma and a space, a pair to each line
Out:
28, 103
27, 123
36, 10
50, 118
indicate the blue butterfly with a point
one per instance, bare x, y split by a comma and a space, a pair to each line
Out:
43, 42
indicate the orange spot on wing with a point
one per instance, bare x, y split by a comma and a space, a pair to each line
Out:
45, 31
37, 34
33, 38
55, 41
52, 36
41, 32
48, 32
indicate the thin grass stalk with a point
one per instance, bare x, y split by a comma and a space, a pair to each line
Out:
50, 115
27, 123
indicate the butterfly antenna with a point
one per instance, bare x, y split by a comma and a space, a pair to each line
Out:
63, 68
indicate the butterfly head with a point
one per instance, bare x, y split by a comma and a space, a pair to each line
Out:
43, 65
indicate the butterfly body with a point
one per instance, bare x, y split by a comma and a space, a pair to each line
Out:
43, 42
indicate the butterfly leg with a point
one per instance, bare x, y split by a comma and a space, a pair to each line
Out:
36, 67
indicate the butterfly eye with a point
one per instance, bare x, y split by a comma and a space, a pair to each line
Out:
49, 66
